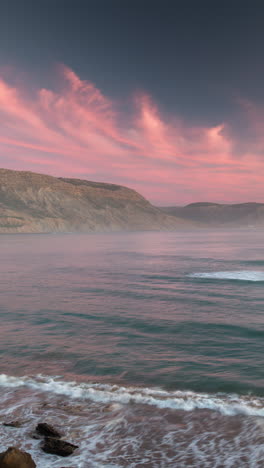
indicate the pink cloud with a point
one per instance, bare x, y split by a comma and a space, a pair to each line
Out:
77, 131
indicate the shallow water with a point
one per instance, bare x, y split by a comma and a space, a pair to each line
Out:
145, 348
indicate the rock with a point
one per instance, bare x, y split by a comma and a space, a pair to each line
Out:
13, 423
15, 458
47, 430
58, 447
35, 436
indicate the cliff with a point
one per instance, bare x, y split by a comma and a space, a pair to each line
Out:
31, 202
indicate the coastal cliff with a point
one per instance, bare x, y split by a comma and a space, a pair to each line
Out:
36, 203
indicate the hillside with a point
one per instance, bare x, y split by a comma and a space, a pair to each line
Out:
31, 202
214, 214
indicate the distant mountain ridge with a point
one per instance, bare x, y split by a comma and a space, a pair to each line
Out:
216, 214
31, 202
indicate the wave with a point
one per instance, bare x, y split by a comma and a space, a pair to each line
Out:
243, 275
229, 405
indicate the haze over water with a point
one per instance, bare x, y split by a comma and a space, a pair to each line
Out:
149, 346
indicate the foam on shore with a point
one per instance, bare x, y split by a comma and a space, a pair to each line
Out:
178, 400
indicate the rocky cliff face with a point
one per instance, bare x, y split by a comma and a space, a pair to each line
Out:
214, 214
32, 202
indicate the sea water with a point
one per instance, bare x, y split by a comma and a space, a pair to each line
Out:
144, 349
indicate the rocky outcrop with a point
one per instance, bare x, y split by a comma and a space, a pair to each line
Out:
52, 442
15, 458
47, 430
32, 202
58, 447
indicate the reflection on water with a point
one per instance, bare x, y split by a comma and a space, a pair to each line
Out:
144, 310
125, 304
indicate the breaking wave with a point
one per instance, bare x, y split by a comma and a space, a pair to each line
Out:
243, 275
104, 393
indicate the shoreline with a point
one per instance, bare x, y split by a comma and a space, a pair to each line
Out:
101, 428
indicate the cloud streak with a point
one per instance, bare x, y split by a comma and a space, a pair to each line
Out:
77, 131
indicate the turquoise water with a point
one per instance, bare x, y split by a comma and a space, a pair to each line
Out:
145, 313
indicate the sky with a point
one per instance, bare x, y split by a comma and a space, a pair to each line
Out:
165, 97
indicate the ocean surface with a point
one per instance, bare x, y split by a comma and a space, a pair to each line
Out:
145, 349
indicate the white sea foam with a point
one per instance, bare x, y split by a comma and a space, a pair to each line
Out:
109, 432
242, 275
104, 393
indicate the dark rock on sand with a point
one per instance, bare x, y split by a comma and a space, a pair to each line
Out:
13, 423
15, 458
58, 447
47, 430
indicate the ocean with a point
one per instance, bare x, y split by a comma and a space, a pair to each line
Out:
145, 349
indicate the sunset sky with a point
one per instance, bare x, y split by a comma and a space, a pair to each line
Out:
166, 97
